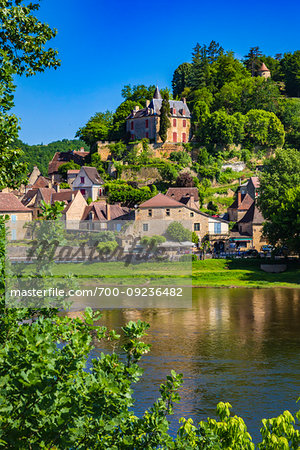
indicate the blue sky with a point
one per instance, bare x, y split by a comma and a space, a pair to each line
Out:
104, 45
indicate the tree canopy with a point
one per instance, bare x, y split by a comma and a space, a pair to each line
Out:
279, 196
23, 40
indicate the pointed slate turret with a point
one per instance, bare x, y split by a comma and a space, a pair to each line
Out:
157, 94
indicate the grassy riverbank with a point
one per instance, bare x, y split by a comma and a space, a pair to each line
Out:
242, 273
208, 273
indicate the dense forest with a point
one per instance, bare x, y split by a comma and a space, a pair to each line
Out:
40, 155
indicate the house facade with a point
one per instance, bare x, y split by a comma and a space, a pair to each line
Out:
144, 123
155, 215
18, 214
89, 183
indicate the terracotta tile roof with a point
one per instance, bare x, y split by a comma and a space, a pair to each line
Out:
10, 203
63, 195
181, 194
93, 175
29, 196
100, 210
246, 203
255, 181
75, 171
263, 67
160, 201
41, 182
253, 215
46, 194
63, 157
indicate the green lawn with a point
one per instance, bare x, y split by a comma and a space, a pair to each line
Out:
211, 272
238, 272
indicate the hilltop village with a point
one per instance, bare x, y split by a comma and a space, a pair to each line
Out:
182, 170
88, 200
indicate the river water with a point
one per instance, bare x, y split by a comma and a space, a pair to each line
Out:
235, 345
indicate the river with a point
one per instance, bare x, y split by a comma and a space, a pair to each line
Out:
236, 345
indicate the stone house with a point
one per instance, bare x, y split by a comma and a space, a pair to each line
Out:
155, 215
252, 225
60, 158
102, 216
144, 123
18, 214
71, 175
239, 207
187, 195
247, 193
73, 212
89, 183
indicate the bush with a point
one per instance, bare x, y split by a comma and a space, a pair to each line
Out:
64, 186
176, 232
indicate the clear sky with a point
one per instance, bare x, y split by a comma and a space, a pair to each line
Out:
104, 45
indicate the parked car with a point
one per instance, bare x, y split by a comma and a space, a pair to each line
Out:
252, 253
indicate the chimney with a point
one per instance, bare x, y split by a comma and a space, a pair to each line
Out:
108, 216
81, 149
183, 100
136, 108
147, 103
240, 181
57, 187
239, 197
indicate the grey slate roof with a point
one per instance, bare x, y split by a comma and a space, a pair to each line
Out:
93, 175
157, 93
181, 108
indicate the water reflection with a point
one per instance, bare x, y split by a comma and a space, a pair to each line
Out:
236, 345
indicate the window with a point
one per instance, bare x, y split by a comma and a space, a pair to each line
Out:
183, 137
13, 235
174, 110
147, 135
147, 123
217, 227
132, 125
145, 227
13, 218
167, 212
184, 123
191, 214
174, 123
149, 212
196, 226
82, 180
174, 137
100, 192
82, 191
132, 137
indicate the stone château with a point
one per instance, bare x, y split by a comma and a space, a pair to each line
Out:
144, 123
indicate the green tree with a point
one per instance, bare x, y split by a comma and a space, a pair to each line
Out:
253, 60
176, 232
168, 172
164, 123
97, 128
279, 198
23, 40
264, 128
180, 79
182, 158
63, 169
290, 65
